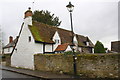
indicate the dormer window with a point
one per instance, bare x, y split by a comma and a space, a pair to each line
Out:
87, 43
29, 38
57, 41
8, 49
75, 42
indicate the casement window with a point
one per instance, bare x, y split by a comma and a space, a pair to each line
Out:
16, 50
87, 43
29, 38
8, 49
75, 42
57, 41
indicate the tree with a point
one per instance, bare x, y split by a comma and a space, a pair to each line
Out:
46, 17
99, 47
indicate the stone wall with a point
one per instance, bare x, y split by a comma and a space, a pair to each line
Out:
8, 61
90, 65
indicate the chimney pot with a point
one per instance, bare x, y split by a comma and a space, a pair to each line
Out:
10, 39
28, 13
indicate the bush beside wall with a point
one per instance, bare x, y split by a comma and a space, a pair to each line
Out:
90, 65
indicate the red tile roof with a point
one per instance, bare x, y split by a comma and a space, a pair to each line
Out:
62, 47
12, 44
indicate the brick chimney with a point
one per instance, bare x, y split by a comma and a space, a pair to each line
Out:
10, 39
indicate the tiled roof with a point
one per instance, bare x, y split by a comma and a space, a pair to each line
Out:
12, 44
62, 47
81, 41
44, 33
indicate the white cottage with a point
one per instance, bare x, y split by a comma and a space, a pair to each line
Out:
9, 47
36, 37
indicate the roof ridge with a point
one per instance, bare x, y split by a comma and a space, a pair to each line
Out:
44, 24
81, 35
52, 26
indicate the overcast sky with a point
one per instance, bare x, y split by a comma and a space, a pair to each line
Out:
97, 19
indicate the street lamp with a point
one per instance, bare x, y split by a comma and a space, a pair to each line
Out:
70, 8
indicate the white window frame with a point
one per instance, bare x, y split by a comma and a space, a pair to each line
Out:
57, 41
29, 38
87, 43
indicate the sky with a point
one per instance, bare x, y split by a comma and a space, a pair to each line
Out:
97, 19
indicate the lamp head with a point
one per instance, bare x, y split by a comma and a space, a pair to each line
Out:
70, 7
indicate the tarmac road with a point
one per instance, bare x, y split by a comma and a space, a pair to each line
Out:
8, 75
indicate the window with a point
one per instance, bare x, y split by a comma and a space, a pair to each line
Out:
87, 43
16, 50
56, 41
29, 38
75, 42
8, 49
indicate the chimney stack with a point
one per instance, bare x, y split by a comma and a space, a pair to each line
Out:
28, 13
10, 39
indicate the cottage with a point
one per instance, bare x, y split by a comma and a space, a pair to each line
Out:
9, 47
39, 38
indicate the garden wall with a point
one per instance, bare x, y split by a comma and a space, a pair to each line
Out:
90, 65
8, 60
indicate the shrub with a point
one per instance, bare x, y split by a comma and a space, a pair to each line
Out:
99, 47
71, 53
68, 53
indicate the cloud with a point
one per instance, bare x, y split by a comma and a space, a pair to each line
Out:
94, 18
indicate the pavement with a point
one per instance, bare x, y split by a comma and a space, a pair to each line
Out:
36, 73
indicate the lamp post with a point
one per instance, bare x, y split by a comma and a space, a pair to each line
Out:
70, 8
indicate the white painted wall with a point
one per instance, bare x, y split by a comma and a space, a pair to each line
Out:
56, 36
24, 56
80, 49
75, 40
87, 43
68, 49
48, 48
8, 50
93, 50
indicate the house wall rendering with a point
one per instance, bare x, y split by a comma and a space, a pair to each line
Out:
25, 49
8, 50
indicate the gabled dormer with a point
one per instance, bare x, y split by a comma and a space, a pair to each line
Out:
87, 42
56, 38
75, 40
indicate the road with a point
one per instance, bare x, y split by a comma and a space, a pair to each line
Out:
8, 75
